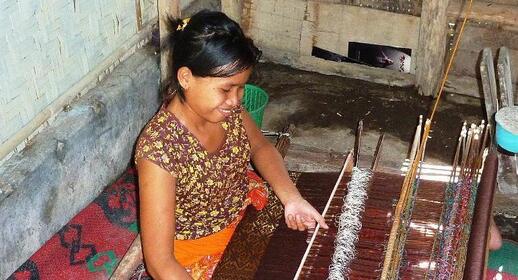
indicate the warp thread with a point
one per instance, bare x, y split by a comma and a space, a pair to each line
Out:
451, 255
349, 223
463, 247
460, 204
405, 226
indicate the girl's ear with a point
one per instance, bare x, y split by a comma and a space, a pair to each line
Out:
184, 76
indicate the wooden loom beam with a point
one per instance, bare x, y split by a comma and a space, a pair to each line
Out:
477, 245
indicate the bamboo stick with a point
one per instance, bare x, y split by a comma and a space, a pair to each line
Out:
357, 143
377, 152
417, 138
391, 260
346, 166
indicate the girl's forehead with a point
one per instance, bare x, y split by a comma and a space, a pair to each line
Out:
238, 79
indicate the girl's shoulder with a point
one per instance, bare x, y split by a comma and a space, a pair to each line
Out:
157, 139
161, 127
162, 122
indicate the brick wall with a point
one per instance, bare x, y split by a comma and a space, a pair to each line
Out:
48, 46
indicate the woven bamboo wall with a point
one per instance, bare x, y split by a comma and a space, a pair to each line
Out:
47, 46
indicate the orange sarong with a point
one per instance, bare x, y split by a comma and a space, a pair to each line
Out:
201, 256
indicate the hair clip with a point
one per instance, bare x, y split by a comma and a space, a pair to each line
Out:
182, 25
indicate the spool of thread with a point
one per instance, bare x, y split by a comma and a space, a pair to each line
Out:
507, 128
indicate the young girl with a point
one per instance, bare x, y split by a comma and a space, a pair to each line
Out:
193, 156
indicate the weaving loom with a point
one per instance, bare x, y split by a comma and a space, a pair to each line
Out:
260, 251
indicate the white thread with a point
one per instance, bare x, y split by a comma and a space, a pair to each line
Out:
349, 223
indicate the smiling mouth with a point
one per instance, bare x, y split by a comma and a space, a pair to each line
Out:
226, 112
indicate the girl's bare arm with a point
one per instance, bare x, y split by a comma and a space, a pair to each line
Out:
157, 221
298, 213
269, 162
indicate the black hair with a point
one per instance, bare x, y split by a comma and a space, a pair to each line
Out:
210, 44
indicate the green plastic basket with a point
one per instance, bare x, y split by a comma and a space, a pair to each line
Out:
254, 101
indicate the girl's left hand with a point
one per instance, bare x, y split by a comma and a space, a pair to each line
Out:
300, 215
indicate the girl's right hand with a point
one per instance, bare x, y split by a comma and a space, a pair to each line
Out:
300, 215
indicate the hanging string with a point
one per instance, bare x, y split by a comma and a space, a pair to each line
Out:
452, 58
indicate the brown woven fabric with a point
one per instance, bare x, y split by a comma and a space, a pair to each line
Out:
250, 240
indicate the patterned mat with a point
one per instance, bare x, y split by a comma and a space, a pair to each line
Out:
91, 245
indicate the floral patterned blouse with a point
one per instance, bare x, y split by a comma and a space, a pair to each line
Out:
210, 188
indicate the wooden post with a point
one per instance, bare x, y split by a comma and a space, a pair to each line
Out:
138, 8
246, 16
432, 46
166, 8
233, 9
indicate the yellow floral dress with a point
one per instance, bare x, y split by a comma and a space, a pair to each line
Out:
210, 188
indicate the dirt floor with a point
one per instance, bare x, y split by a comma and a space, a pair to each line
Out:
322, 107
326, 109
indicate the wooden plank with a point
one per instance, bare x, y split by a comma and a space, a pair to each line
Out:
233, 9
394, 6
350, 70
464, 85
131, 260
505, 77
138, 9
432, 46
166, 8
479, 36
487, 73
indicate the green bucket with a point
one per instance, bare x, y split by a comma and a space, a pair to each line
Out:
254, 101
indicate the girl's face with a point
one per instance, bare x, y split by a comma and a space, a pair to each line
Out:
213, 98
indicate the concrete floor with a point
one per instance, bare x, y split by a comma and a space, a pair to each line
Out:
325, 111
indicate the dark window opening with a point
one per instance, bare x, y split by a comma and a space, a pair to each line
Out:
393, 58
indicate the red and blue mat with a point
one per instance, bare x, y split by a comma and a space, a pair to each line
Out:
91, 245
